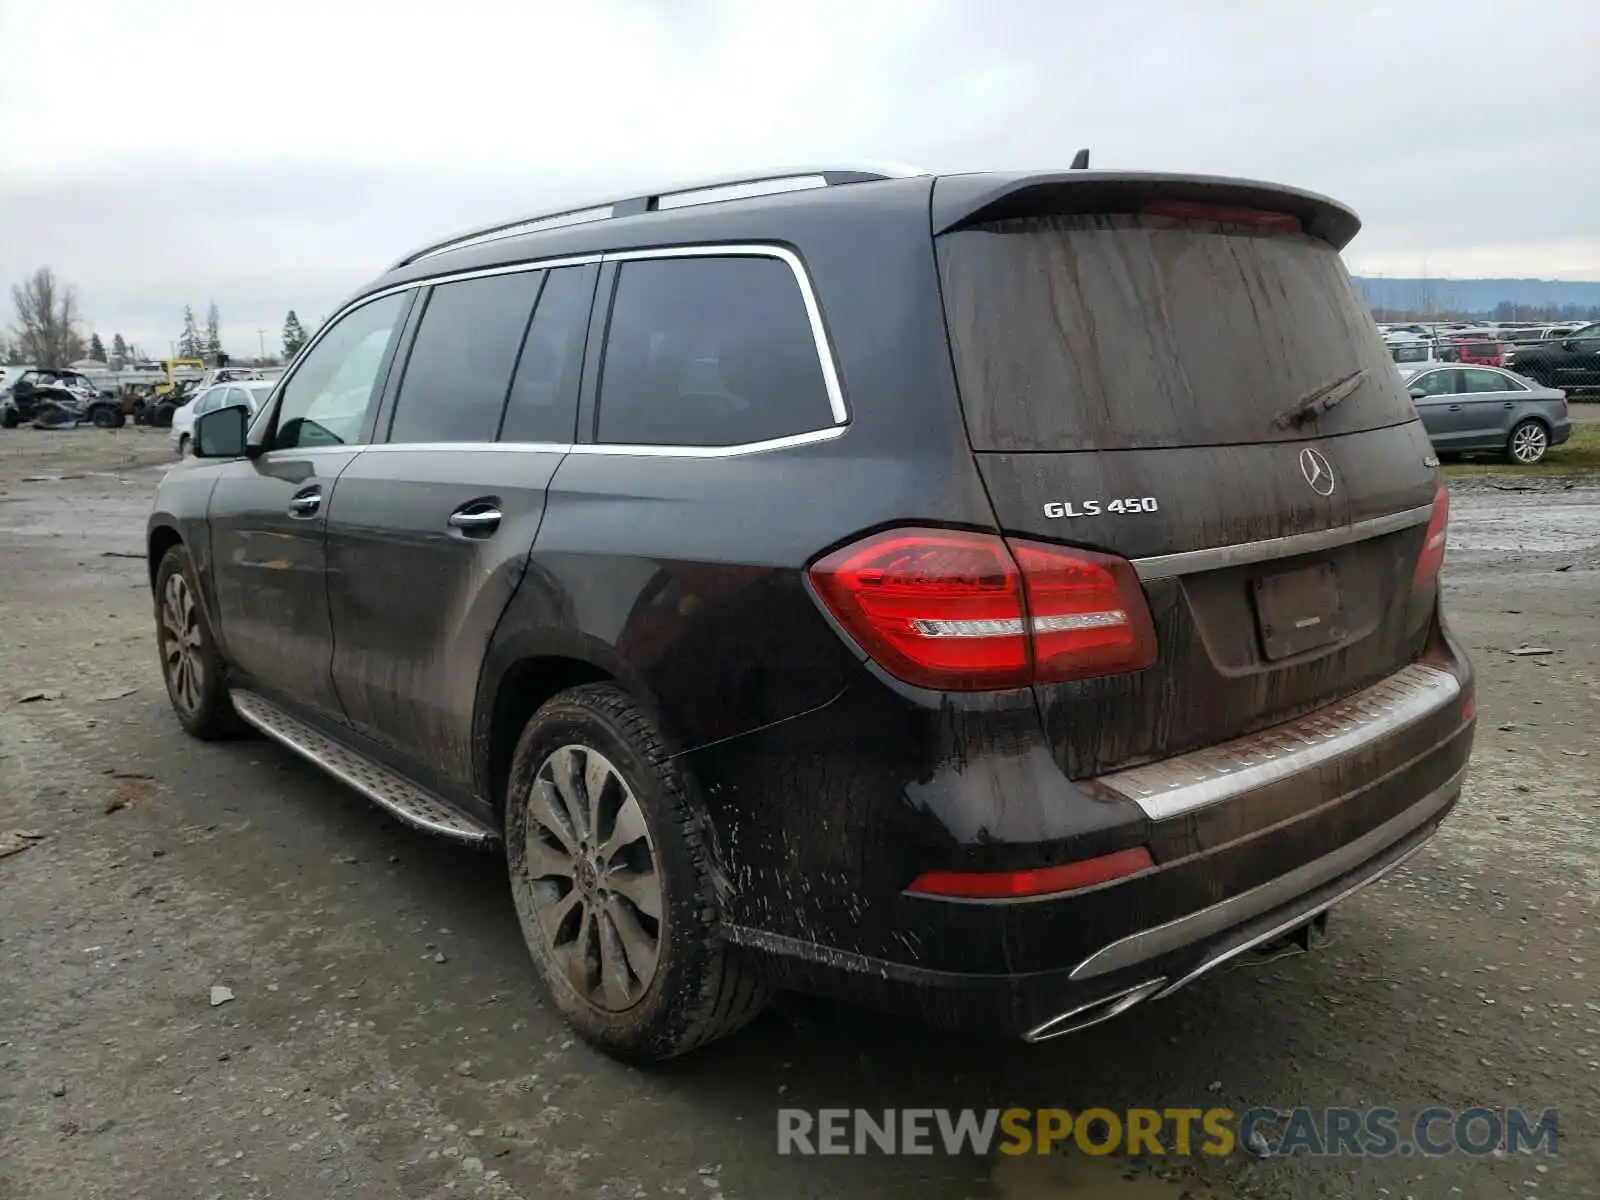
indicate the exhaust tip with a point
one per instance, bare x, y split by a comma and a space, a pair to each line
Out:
1095, 1011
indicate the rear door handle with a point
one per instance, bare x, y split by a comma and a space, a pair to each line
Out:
476, 519
306, 503
1455, 408
1511, 404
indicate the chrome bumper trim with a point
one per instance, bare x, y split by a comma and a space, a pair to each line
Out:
1216, 558
1211, 775
1275, 893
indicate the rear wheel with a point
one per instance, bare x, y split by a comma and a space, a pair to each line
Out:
8, 419
1528, 442
611, 873
107, 417
190, 663
183, 445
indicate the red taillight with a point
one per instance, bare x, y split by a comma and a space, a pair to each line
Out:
1089, 615
1469, 707
961, 611
1432, 556
1040, 881
1190, 210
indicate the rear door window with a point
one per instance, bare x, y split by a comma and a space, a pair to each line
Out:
709, 352
544, 395
1112, 332
459, 368
1483, 381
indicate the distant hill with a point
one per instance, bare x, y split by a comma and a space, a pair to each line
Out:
1482, 295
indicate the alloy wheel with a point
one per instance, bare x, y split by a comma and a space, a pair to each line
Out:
180, 652
592, 872
1528, 443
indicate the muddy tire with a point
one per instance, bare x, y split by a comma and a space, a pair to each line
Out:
183, 445
9, 419
106, 417
190, 664
611, 872
1528, 443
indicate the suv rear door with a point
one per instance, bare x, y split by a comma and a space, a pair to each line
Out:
1195, 386
429, 532
678, 530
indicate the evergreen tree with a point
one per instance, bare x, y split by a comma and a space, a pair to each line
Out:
97, 348
294, 336
119, 348
190, 344
213, 330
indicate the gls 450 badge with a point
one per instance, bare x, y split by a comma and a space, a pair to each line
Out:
1121, 506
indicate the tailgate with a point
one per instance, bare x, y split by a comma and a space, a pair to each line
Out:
1208, 398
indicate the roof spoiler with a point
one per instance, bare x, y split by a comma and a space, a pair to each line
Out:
964, 200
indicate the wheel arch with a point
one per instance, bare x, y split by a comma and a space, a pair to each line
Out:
161, 538
520, 674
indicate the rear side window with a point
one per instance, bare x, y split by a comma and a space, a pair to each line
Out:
1484, 381
1111, 332
709, 352
460, 365
544, 396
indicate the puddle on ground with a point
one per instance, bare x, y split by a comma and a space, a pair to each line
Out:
1566, 522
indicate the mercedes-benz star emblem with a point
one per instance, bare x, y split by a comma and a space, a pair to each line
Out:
1318, 472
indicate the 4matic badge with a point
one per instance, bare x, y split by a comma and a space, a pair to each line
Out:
1121, 506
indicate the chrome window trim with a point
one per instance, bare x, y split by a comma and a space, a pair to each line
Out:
475, 447
612, 448
1215, 558
794, 439
1187, 783
808, 298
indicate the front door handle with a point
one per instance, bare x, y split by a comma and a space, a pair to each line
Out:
306, 503
1511, 404
1455, 408
476, 520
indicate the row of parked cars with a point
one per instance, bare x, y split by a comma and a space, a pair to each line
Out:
1552, 356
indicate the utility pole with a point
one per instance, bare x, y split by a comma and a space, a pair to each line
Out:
261, 335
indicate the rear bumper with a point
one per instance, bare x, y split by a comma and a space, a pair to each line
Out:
1148, 965
1250, 840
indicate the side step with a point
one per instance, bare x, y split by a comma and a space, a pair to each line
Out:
414, 805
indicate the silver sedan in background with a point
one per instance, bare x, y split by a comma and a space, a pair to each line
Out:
1476, 410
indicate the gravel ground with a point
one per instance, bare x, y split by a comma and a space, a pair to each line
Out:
386, 1036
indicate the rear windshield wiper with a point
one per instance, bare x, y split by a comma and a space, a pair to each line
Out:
1315, 403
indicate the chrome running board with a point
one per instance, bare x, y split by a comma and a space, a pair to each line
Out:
414, 805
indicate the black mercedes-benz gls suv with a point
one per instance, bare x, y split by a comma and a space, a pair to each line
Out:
998, 598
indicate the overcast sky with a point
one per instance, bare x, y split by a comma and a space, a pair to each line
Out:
275, 156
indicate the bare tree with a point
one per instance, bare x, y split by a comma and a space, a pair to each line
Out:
47, 319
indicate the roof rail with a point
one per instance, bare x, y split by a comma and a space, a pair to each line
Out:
683, 195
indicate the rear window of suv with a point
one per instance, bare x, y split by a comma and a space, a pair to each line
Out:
1115, 332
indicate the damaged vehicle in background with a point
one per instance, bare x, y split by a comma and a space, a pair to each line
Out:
50, 398
997, 598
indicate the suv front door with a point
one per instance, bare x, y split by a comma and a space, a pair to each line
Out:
429, 532
268, 514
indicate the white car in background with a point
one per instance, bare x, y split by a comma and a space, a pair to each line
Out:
242, 393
